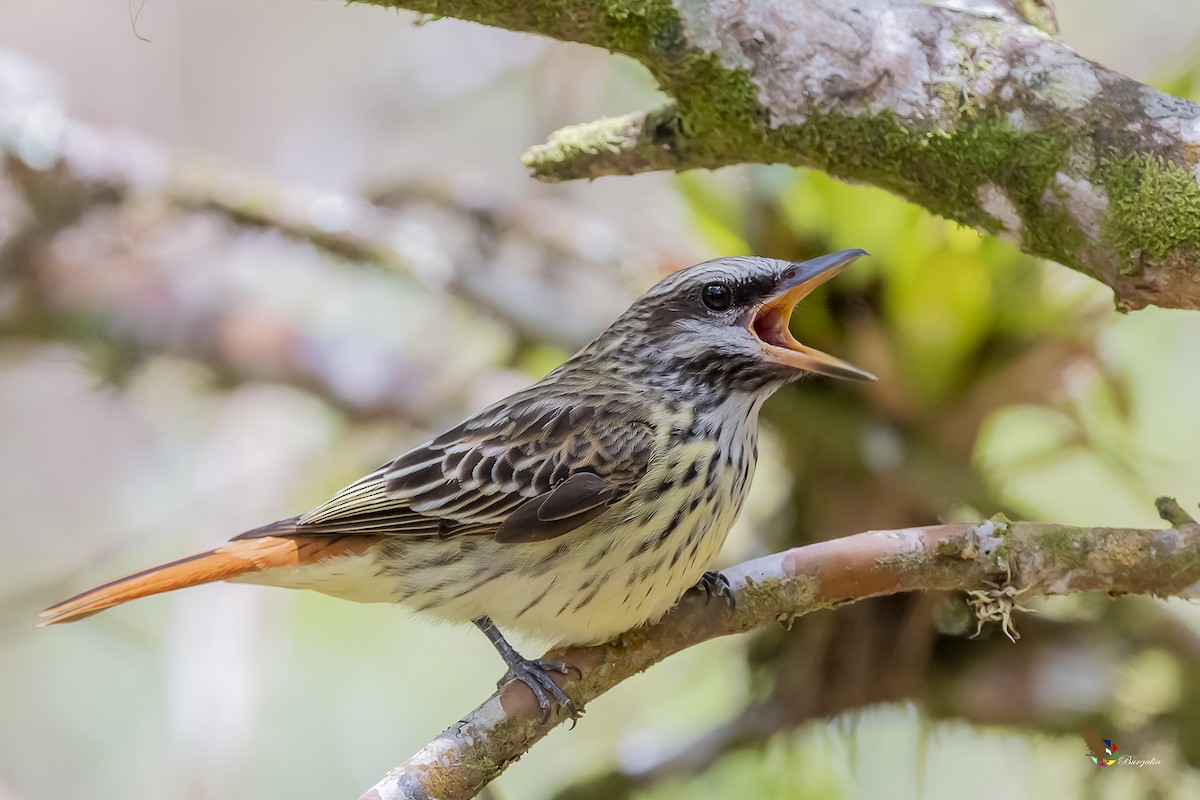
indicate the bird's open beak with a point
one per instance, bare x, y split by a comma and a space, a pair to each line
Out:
770, 321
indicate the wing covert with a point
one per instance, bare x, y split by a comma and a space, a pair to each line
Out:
530, 467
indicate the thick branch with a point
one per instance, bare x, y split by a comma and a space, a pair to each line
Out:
962, 106
1042, 559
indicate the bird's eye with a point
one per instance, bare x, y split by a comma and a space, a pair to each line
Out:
717, 296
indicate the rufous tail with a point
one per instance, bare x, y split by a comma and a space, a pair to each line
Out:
270, 547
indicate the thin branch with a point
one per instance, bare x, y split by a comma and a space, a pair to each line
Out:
959, 683
1034, 558
970, 108
1170, 511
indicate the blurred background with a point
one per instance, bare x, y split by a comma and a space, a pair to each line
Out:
250, 251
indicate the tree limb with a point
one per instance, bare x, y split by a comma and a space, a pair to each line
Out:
959, 683
1036, 558
969, 108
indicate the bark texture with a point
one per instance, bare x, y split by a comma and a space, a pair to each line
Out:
1000, 564
971, 108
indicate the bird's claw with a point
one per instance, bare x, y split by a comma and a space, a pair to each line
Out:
536, 675
715, 584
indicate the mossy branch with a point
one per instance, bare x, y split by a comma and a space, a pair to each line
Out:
995, 561
638, 142
982, 116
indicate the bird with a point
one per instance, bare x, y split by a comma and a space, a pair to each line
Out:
573, 510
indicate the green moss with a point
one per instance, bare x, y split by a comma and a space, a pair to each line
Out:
940, 170
1066, 546
716, 117
716, 120
758, 598
902, 562
1154, 206
1039, 14
1153, 209
943, 170
760, 601
951, 548
483, 764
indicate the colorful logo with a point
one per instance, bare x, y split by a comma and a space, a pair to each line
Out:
1109, 757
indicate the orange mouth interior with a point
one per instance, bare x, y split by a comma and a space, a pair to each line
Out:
770, 327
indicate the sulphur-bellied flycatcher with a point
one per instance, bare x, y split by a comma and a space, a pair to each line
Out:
576, 509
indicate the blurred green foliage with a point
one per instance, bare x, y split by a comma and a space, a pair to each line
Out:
962, 330
1005, 384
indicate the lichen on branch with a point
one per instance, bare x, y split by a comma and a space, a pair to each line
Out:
973, 110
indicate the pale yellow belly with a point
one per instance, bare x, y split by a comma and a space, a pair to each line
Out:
626, 568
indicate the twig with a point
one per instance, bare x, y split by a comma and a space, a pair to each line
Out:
1044, 559
1172, 512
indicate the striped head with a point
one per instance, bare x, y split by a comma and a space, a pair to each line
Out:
721, 325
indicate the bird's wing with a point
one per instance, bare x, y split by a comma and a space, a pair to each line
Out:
528, 469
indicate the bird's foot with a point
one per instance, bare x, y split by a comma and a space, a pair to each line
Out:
715, 584
536, 675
